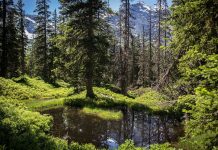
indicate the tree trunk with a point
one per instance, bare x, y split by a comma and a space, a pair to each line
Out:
150, 51
89, 63
23, 45
124, 69
159, 40
46, 74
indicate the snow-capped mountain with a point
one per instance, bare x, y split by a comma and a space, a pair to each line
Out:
140, 15
139, 11
30, 25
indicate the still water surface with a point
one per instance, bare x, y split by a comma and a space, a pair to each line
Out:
144, 129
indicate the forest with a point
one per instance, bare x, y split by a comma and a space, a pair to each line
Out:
86, 76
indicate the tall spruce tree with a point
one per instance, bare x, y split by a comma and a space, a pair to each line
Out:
9, 62
4, 50
150, 61
41, 45
87, 31
125, 14
54, 51
22, 36
12, 41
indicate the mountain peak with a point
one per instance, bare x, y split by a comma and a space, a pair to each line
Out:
141, 6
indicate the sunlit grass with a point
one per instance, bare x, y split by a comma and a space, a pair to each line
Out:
45, 104
26, 88
148, 99
103, 114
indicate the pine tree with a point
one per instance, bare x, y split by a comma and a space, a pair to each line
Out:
4, 53
54, 51
12, 41
86, 30
9, 65
150, 62
142, 62
159, 3
41, 48
125, 13
22, 36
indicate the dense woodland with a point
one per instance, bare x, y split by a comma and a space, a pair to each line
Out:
176, 55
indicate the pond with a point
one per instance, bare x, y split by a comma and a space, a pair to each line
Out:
144, 129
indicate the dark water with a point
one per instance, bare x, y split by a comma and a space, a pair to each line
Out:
73, 125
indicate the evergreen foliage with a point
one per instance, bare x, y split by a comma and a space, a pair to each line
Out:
87, 31
41, 44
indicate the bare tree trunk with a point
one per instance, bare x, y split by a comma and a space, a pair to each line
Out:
89, 63
124, 69
46, 74
143, 56
150, 51
159, 40
22, 41
165, 34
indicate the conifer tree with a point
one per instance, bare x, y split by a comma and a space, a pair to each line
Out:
86, 30
125, 13
54, 51
159, 3
9, 65
12, 41
150, 61
22, 36
41, 45
4, 50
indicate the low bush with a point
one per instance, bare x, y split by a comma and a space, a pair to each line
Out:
165, 146
77, 146
23, 129
129, 145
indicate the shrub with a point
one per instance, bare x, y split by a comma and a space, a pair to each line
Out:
76, 146
129, 145
23, 129
165, 146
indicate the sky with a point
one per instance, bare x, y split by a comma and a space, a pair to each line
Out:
30, 4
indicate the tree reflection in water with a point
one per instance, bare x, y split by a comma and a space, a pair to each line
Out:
144, 129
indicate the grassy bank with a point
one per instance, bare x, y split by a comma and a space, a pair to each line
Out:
150, 100
26, 88
34, 92
103, 114
40, 95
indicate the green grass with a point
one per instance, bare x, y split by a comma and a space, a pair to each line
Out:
45, 104
149, 100
153, 100
26, 88
34, 92
103, 114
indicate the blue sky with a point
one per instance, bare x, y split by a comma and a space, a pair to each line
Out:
30, 4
